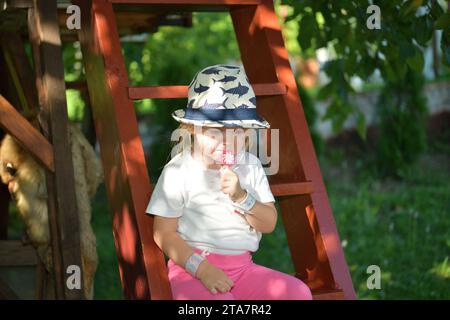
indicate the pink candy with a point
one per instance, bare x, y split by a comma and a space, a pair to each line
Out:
228, 158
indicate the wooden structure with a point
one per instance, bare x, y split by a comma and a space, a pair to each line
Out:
310, 229
51, 147
43, 24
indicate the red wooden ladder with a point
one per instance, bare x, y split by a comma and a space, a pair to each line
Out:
310, 228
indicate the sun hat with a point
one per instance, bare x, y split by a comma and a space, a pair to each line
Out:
221, 96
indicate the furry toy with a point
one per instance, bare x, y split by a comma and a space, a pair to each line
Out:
26, 183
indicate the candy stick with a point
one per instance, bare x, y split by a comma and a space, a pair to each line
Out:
228, 159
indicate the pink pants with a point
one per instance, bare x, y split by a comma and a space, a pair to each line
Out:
251, 281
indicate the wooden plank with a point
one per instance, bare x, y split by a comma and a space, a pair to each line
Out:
54, 110
310, 228
28, 136
269, 89
142, 267
176, 92
55, 237
291, 188
131, 20
181, 5
158, 92
20, 70
41, 276
16, 4
13, 253
328, 294
190, 2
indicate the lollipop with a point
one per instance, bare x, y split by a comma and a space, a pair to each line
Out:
228, 158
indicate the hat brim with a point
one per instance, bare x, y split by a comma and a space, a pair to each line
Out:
179, 115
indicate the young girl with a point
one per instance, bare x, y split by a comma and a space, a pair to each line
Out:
210, 217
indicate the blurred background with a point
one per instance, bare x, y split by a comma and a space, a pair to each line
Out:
378, 108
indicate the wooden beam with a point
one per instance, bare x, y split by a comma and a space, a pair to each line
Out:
191, 2
292, 188
13, 253
16, 4
157, 92
50, 71
131, 20
176, 92
182, 5
55, 237
328, 295
28, 136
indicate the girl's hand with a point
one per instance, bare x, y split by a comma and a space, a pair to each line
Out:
213, 278
229, 184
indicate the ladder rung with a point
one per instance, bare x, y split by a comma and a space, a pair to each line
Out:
76, 85
328, 294
15, 253
174, 92
291, 188
191, 2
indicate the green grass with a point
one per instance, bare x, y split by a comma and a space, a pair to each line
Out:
400, 225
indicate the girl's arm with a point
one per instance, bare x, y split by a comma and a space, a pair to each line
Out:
169, 241
262, 217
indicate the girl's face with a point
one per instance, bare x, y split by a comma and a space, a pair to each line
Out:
210, 142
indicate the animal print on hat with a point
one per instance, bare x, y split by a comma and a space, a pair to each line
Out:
221, 95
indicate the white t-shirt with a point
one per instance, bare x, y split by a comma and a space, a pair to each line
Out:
189, 191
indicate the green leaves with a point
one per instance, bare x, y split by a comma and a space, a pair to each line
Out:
416, 62
443, 22
409, 8
308, 30
406, 28
423, 28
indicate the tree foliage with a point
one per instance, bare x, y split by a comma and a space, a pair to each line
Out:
394, 50
341, 27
